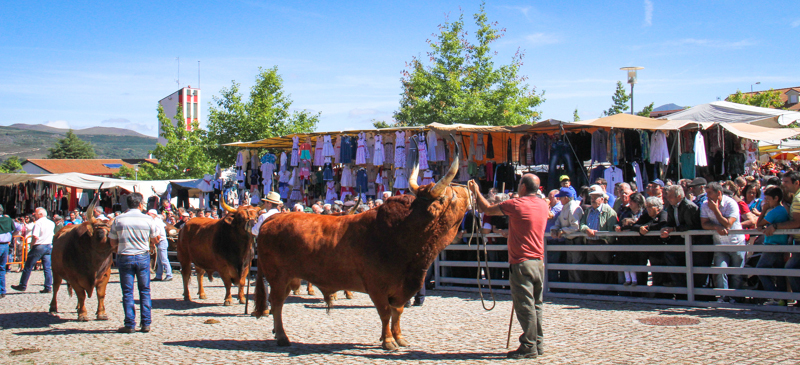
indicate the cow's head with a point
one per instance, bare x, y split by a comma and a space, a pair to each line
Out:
244, 217
441, 200
97, 228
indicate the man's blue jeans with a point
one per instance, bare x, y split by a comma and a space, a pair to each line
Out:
728, 259
38, 252
162, 264
137, 266
560, 153
771, 260
3, 261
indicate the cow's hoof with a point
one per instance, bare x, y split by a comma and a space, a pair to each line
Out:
242, 301
283, 342
187, 299
389, 345
311, 292
227, 303
102, 317
202, 296
260, 314
334, 297
83, 319
296, 292
53, 310
348, 295
402, 342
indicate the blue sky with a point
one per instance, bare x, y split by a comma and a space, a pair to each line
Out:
82, 63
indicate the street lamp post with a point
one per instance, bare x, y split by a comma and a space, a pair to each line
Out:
751, 85
632, 78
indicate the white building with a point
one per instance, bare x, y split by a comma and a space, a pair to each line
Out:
190, 99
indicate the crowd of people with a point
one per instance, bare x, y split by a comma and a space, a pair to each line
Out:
745, 203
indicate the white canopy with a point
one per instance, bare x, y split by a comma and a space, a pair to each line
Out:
83, 181
727, 112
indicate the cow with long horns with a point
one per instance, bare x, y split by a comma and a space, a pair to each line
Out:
383, 252
223, 245
82, 257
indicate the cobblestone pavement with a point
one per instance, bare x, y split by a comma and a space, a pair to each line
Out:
451, 328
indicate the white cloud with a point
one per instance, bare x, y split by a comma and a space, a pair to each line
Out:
648, 13
541, 39
122, 121
796, 23
522, 9
57, 124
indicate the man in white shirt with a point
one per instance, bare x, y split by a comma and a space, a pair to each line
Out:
272, 204
41, 248
162, 262
721, 213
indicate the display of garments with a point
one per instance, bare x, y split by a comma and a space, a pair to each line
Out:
427, 178
599, 146
295, 151
361, 181
370, 147
361, 150
400, 179
318, 152
346, 154
613, 175
639, 178
644, 142
240, 176
659, 151
337, 150
542, 154
330, 192
400, 151
347, 179
327, 147
283, 161
463, 171
529, 151
430, 138
581, 143
423, 152
560, 153
700, 158
240, 159
687, 165
480, 149
305, 169
440, 148
489, 146
305, 149
379, 155
598, 172
388, 148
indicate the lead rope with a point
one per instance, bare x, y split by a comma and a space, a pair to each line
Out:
477, 222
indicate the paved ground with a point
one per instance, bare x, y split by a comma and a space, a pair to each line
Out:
450, 328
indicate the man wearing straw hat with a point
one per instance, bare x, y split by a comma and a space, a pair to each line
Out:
272, 203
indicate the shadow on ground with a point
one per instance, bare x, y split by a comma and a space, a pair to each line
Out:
300, 349
70, 331
29, 320
180, 304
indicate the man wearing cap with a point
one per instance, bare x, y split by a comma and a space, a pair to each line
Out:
184, 217
656, 188
568, 222
566, 183
271, 204
599, 218
162, 261
698, 186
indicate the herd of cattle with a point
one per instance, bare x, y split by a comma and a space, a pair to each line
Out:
383, 252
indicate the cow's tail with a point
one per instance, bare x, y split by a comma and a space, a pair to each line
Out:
261, 296
69, 289
328, 302
210, 276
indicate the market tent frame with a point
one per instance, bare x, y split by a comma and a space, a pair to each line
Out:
83, 181
728, 112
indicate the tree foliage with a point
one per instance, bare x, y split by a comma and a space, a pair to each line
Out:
266, 114
461, 83
575, 116
185, 156
71, 147
764, 99
620, 101
646, 111
11, 165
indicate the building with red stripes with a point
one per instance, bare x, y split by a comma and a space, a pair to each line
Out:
189, 98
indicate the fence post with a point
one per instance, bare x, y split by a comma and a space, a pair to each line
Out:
436, 270
546, 283
689, 268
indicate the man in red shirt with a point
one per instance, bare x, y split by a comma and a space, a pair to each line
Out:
527, 218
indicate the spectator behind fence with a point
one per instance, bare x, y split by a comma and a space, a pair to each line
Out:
774, 212
554, 257
721, 214
682, 216
627, 219
751, 196
599, 218
653, 221
623, 198
568, 222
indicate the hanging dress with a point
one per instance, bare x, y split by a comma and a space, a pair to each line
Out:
379, 155
327, 147
440, 148
305, 169
327, 170
480, 150
318, 152
305, 149
430, 138
423, 152
400, 179
489, 146
388, 149
330, 192
427, 177
295, 151
400, 151
346, 180
337, 150
346, 155
361, 151
370, 140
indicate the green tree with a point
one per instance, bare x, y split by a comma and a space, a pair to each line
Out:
764, 99
11, 165
462, 85
646, 111
620, 100
266, 114
185, 156
71, 147
575, 116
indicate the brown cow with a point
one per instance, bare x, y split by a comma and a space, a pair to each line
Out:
222, 245
383, 252
82, 256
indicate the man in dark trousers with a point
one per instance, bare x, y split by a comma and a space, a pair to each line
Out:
683, 215
527, 217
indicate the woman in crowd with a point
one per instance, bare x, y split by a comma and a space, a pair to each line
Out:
627, 219
653, 221
750, 194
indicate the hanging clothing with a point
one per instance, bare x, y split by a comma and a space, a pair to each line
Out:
700, 158
542, 153
388, 148
427, 177
400, 179
305, 149
659, 151
489, 146
599, 146
283, 161
318, 152
431, 148
423, 152
644, 142
330, 192
400, 151
347, 177
370, 147
687, 165
361, 181
361, 150
440, 148
327, 147
379, 155
295, 151
613, 175
327, 170
337, 150
346, 154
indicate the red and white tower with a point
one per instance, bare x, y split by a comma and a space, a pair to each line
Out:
189, 98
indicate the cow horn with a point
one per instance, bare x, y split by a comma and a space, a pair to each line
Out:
90, 210
355, 207
412, 178
226, 206
445, 181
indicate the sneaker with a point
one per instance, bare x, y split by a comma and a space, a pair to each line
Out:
45, 291
633, 283
418, 302
126, 330
167, 279
523, 353
156, 279
626, 283
773, 302
145, 329
18, 287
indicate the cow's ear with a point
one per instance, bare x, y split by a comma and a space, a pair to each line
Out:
228, 218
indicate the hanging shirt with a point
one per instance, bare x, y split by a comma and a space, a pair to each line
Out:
599, 146
659, 151
700, 158
613, 175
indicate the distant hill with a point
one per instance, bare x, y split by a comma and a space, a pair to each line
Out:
106, 131
33, 141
